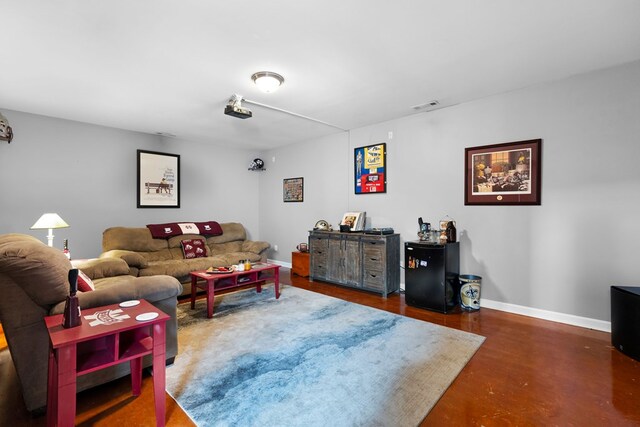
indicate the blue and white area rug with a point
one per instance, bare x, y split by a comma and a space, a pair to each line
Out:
310, 360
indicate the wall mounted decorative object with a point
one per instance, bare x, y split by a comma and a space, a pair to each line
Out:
6, 133
293, 189
370, 169
503, 174
158, 180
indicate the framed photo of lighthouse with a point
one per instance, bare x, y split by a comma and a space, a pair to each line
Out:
370, 169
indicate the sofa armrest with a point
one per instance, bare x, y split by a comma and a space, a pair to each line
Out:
99, 268
255, 247
132, 258
123, 288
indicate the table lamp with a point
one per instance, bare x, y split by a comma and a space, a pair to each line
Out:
49, 221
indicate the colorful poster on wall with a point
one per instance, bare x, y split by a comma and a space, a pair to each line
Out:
370, 169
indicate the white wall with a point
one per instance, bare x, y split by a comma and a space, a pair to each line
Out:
561, 256
324, 164
87, 174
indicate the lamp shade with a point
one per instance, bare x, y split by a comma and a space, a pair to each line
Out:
49, 220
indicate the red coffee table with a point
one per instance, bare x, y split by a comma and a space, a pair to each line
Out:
86, 348
222, 281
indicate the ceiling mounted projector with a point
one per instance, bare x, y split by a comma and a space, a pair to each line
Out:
234, 108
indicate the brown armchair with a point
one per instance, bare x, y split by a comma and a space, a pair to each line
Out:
34, 284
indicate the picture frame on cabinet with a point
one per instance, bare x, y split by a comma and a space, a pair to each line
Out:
354, 220
503, 174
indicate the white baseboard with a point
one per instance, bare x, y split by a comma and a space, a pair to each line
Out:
570, 319
280, 263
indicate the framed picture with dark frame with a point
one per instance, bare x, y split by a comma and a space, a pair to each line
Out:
158, 180
370, 169
503, 174
293, 189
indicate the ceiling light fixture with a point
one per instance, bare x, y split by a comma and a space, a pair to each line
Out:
267, 81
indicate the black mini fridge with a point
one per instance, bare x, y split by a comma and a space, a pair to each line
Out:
431, 275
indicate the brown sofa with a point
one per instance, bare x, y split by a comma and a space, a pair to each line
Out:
147, 256
34, 284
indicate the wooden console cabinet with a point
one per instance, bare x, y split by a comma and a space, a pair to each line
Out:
364, 261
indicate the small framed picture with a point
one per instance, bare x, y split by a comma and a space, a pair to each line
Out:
503, 174
158, 180
293, 189
354, 220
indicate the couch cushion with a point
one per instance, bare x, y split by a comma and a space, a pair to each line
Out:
104, 267
177, 267
131, 239
254, 246
230, 231
194, 248
160, 255
225, 248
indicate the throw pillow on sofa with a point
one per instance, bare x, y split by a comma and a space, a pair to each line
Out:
193, 248
85, 284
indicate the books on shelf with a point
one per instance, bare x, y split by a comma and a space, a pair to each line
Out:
355, 220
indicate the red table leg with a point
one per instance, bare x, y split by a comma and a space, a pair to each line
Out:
276, 281
210, 296
66, 386
159, 380
194, 282
52, 389
136, 376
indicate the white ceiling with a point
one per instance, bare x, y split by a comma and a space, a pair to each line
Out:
170, 66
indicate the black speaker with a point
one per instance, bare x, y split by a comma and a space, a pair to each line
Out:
625, 320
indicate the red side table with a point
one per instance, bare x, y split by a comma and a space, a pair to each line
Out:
86, 348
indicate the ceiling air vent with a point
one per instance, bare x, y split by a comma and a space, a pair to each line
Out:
426, 106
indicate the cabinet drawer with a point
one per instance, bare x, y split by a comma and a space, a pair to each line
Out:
373, 243
373, 279
319, 271
374, 256
319, 250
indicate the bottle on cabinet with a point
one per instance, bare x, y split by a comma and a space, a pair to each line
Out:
65, 249
451, 232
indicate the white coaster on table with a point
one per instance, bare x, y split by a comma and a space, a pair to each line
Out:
146, 316
130, 303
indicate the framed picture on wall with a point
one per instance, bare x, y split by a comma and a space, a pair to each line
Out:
293, 189
158, 180
370, 169
503, 174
